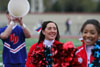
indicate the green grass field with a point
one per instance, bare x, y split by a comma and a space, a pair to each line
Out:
31, 41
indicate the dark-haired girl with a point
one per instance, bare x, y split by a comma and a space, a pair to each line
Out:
89, 53
49, 36
48, 51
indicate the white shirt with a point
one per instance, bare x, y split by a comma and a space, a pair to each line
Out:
89, 52
13, 26
48, 43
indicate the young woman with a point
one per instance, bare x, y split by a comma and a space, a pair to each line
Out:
49, 36
86, 53
48, 51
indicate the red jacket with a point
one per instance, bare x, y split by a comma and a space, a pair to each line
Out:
82, 56
28, 62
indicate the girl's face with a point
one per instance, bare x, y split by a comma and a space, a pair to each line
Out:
50, 31
90, 34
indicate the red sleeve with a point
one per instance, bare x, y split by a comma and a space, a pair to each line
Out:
28, 61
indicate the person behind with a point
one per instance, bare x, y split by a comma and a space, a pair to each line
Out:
68, 25
90, 34
13, 37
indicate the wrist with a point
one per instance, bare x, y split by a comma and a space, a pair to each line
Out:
24, 25
11, 23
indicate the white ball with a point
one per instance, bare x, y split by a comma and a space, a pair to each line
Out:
18, 8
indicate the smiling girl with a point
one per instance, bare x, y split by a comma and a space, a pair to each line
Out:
49, 36
90, 34
48, 51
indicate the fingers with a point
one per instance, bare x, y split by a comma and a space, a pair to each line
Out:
19, 20
16, 19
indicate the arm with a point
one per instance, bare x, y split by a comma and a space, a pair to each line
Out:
7, 32
25, 29
29, 58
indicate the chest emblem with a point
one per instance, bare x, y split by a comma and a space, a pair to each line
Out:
13, 38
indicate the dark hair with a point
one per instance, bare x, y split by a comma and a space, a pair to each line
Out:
93, 22
44, 25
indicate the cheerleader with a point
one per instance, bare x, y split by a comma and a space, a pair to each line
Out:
88, 53
48, 51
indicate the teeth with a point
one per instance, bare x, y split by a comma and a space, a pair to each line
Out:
88, 40
52, 34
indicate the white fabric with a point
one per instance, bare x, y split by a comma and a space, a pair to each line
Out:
11, 23
24, 25
14, 26
88, 50
48, 43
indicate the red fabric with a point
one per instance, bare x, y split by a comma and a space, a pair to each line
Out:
67, 45
81, 53
28, 62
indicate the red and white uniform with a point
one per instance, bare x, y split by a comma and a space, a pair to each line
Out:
84, 55
40, 45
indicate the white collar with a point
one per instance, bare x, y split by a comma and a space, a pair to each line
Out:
48, 43
89, 52
13, 26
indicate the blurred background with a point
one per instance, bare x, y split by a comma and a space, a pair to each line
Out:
40, 6
78, 11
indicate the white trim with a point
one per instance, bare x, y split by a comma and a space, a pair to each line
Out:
16, 49
79, 50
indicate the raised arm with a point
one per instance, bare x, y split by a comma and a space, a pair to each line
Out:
6, 33
25, 29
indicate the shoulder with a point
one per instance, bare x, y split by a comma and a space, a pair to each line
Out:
37, 45
79, 49
33, 45
3, 28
